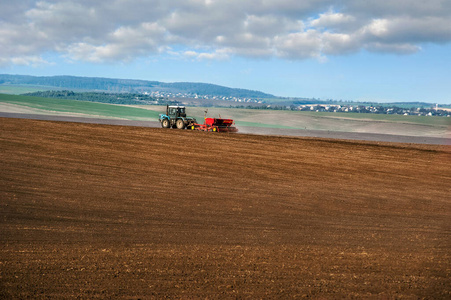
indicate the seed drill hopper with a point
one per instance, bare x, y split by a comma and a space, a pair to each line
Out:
216, 125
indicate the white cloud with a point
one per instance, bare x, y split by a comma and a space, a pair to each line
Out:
28, 61
392, 48
217, 55
331, 20
221, 54
270, 25
378, 27
339, 43
124, 43
301, 45
122, 30
408, 29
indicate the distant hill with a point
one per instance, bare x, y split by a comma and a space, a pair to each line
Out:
174, 90
130, 85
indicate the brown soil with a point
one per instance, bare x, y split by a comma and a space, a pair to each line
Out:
98, 211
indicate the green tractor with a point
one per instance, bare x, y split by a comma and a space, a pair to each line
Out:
175, 117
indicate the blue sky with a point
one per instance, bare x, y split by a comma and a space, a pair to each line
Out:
349, 50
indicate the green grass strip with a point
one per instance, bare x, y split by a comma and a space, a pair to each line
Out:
81, 107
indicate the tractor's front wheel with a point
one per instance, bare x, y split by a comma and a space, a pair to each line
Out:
180, 124
165, 123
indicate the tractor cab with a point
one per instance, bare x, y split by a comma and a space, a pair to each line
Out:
176, 112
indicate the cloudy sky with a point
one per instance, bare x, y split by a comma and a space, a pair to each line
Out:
376, 50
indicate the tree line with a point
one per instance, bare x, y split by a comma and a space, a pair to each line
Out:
102, 97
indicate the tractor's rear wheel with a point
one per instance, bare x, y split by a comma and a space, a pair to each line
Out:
165, 123
180, 124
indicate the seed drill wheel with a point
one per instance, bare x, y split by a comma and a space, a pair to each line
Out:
180, 124
165, 123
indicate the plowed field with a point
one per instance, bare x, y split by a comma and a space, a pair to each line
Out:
98, 211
